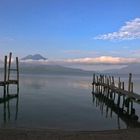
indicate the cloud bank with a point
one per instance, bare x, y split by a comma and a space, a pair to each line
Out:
88, 61
103, 60
130, 31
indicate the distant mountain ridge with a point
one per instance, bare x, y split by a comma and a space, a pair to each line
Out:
34, 57
131, 68
35, 68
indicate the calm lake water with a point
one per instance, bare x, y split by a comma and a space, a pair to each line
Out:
59, 102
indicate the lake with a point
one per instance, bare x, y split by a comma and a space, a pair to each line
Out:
59, 102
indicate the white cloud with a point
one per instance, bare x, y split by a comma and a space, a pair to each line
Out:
103, 60
130, 31
41, 61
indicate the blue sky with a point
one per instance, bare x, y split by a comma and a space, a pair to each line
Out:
71, 29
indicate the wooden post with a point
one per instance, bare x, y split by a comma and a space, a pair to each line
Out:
129, 82
103, 79
101, 83
119, 86
123, 85
4, 112
113, 83
110, 80
5, 68
107, 87
113, 80
97, 83
17, 67
93, 78
5, 75
9, 66
131, 87
119, 83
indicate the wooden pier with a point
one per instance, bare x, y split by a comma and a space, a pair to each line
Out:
103, 82
7, 80
105, 88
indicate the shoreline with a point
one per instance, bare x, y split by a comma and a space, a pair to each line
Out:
54, 134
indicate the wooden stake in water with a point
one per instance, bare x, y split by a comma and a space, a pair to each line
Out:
17, 67
131, 87
5, 75
129, 82
9, 66
119, 86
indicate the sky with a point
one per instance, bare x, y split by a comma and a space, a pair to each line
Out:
72, 31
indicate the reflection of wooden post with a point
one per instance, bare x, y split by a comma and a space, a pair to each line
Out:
119, 86
131, 87
123, 96
131, 106
129, 82
4, 112
16, 115
128, 106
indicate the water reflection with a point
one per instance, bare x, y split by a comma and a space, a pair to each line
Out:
7, 110
65, 103
10, 106
108, 106
80, 84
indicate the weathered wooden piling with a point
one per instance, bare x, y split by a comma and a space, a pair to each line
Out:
119, 86
5, 75
129, 82
3, 82
9, 65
